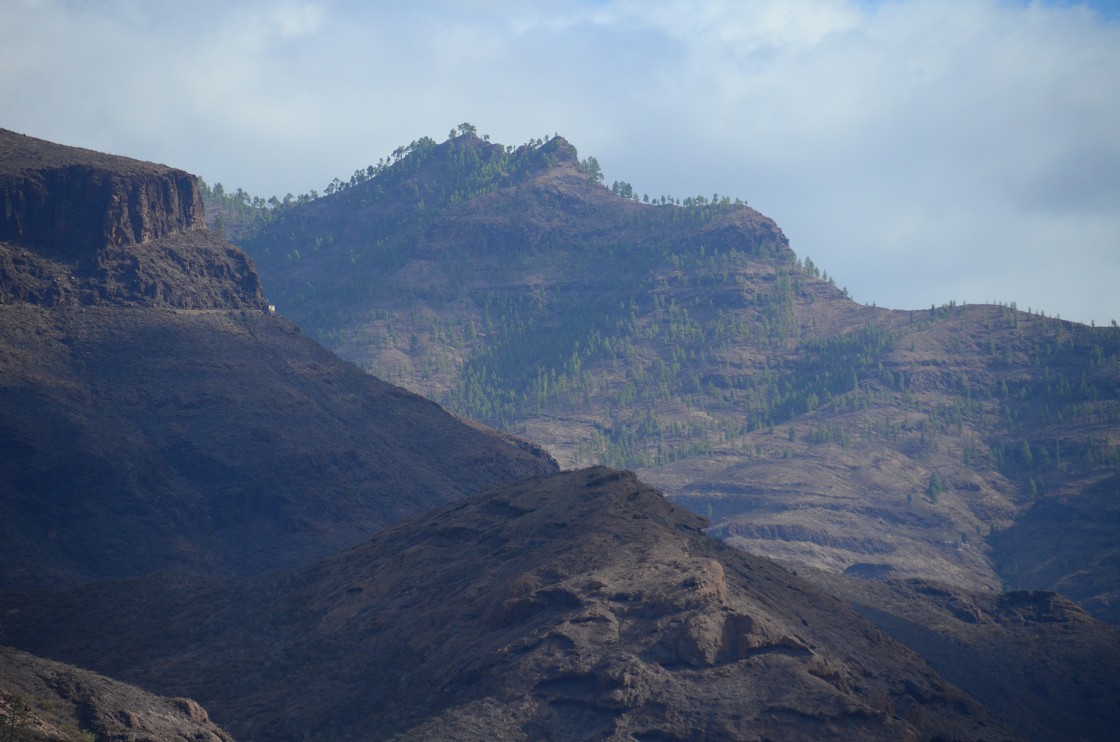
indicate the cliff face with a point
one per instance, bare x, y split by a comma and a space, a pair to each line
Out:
76, 209
80, 227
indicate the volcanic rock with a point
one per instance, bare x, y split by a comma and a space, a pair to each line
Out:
1037, 661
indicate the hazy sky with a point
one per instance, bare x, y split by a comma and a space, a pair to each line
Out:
919, 151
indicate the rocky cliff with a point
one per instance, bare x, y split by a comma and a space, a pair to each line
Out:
70, 201
80, 227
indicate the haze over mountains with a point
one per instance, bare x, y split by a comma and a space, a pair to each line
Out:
686, 340
182, 470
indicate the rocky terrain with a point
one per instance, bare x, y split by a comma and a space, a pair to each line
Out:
579, 606
45, 700
72, 202
975, 445
157, 417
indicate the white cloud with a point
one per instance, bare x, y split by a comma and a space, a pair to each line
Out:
919, 150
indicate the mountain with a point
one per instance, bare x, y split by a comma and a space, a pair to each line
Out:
156, 416
582, 605
180, 468
972, 445
41, 699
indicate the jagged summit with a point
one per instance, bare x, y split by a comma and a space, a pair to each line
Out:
85, 228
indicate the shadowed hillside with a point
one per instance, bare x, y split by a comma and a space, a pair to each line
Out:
156, 417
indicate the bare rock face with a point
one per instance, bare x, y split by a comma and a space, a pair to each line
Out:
41, 699
578, 606
71, 202
80, 227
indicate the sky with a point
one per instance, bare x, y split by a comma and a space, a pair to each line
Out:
919, 151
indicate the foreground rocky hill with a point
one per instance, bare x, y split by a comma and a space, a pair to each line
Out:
579, 606
41, 699
155, 415
976, 445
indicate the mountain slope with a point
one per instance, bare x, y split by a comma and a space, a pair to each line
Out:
687, 341
578, 606
157, 417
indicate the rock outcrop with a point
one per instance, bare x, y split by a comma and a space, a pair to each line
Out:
71, 202
84, 228
1040, 663
41, 699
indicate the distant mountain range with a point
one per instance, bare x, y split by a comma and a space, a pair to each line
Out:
198, 500
975, 445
